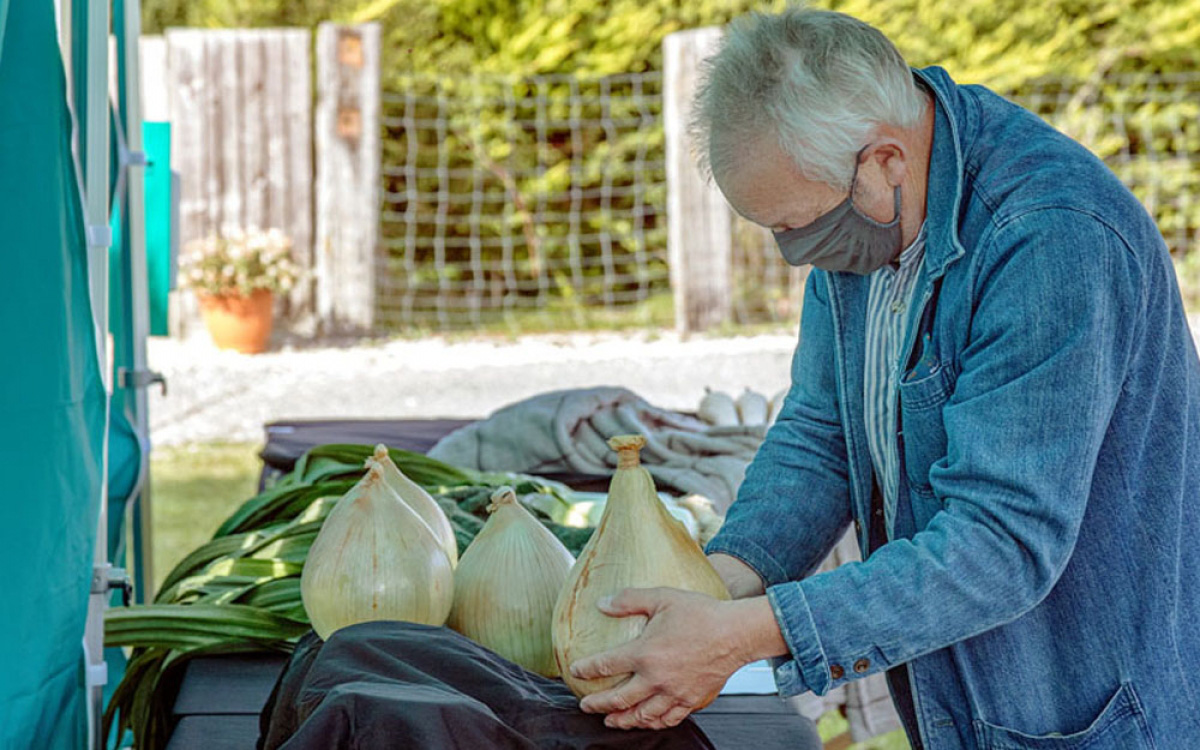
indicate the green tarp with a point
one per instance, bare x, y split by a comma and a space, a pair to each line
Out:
157, 144
51, 395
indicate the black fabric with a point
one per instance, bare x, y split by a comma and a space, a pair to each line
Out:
286, 441
396, 684
897, 677
901, 689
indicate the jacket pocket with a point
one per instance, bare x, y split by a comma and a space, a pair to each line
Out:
1120, 726
921, 425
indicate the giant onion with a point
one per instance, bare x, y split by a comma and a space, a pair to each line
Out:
638, 544
507, 582
375, 559
418, 499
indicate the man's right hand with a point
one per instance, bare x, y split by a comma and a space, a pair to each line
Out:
741, 580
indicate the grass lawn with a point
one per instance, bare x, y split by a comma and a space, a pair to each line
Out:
833, 724
195, 487
555, 315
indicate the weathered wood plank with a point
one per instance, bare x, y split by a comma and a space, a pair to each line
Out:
275, 77
186, 90
298, 154
227, 70
211, 172
254, 133
699, 221
347, 139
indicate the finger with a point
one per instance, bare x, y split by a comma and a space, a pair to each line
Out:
633, 602
647, 714
620, 660
623, 697
675, 715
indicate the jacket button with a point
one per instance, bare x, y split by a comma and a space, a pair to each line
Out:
862, 665
836, 672
857, 526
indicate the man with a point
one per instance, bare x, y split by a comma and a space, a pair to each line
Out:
995, 383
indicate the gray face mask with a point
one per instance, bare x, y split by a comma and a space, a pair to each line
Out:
843, 239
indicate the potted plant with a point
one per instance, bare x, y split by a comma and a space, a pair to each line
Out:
235, 276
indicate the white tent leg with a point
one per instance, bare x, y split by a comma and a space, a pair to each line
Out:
138, 412
95, 130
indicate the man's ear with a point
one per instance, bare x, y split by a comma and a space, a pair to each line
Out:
892, 158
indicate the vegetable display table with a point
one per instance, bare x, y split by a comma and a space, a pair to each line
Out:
220, 697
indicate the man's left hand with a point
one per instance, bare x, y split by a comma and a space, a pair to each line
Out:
689, 648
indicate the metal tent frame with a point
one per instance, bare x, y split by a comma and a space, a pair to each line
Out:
84, 40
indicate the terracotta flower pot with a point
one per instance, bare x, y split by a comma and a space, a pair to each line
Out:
238, 322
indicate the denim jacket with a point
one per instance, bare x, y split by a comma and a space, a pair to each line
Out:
1040, 576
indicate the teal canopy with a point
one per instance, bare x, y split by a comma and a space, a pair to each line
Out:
52, 397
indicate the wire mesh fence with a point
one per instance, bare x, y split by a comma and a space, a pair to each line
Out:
1147, 129
508, 197
534, 203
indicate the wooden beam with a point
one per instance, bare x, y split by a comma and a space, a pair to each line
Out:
348, 154
699, 221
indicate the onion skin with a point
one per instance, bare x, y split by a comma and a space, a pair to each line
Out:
753, 408
506, 585
415, 496
375, 559
718, 409
638, 544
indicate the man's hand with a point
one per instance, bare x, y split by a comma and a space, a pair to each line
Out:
741, 580
692, 643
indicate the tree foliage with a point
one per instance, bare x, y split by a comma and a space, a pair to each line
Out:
1093, 68
1005, 43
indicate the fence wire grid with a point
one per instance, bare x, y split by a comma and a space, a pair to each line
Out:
505, 196
513, 200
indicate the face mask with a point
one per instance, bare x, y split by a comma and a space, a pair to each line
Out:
843, 239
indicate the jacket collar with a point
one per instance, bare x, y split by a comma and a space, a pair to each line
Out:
945, 188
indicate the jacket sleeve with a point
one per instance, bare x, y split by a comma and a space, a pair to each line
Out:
794, 503
1058, 304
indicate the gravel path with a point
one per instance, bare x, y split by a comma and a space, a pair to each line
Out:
216, 395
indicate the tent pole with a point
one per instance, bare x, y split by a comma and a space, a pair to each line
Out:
138, 412
94, 123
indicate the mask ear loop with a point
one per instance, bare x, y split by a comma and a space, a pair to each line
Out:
857, 162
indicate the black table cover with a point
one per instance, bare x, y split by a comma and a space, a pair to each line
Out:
399, 684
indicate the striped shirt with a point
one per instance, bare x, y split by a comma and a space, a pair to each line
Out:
887, 316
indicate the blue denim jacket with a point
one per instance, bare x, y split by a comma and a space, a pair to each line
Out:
1042, 576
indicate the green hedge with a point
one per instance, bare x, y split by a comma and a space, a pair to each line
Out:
1105, 71
1006, 43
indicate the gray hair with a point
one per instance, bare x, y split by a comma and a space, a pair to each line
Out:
820, 82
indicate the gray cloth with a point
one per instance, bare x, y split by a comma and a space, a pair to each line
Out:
567, 431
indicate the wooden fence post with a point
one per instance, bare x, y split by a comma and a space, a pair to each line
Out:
348, 155
699, 221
